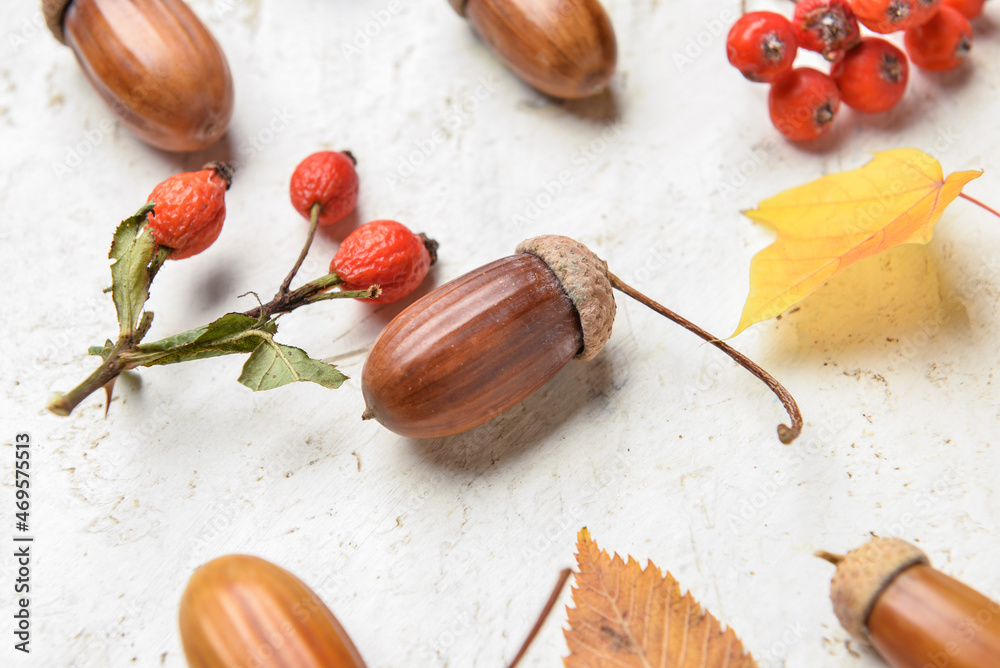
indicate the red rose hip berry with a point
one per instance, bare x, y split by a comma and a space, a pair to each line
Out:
872, 77
828, 27
327, 179
924, 12
970, 8
803, 104
886, 16
941, 44
761, 45
387, 254
190, 209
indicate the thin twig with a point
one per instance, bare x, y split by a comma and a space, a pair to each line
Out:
313, 223
563, 577
785, 433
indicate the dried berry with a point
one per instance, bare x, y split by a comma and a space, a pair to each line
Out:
327, 179
387, 254
190, 209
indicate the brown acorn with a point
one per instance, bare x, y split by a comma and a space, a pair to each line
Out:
154, 63
886, 593
239, 610
475, 347
564, 48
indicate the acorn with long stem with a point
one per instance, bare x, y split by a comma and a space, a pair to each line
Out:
475, 347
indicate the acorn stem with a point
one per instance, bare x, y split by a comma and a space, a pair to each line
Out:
834, 559
786, 434
313, 223
553, 597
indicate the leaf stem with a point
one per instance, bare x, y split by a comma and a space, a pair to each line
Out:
976, 201
785, 433
553, 597
313, 223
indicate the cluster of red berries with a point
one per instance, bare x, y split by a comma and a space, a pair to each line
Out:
190, 209
382, 252
868, 73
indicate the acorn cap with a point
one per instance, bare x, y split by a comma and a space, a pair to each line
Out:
459, 6
864, 574
584, 277
54, 10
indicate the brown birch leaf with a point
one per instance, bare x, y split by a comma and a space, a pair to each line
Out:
626, 616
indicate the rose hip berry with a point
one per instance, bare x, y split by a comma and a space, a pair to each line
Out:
803, 104
885, 16
387, 254
941, 44
828, 27
872, 77
762, 46
190, 209
924, 11
970, 8
327, 179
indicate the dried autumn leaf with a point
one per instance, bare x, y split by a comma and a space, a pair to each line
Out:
626, 617
826, 226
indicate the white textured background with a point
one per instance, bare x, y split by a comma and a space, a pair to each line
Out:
441, 553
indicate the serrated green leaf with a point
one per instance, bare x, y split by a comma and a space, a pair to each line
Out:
225, 336
127, 231
102, 351
132, 250
272, 365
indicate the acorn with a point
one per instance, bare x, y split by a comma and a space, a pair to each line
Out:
564, 48
477, 346
154, 63
886, 593
240, 610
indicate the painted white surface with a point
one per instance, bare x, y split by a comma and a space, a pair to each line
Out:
441, 553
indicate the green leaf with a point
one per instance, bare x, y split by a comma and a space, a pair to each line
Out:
272, 365
133, 249
225, 336
102, 351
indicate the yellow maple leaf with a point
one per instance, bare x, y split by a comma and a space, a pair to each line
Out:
629, 617
826, 226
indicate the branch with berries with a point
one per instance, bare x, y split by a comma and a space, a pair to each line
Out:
381, 261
